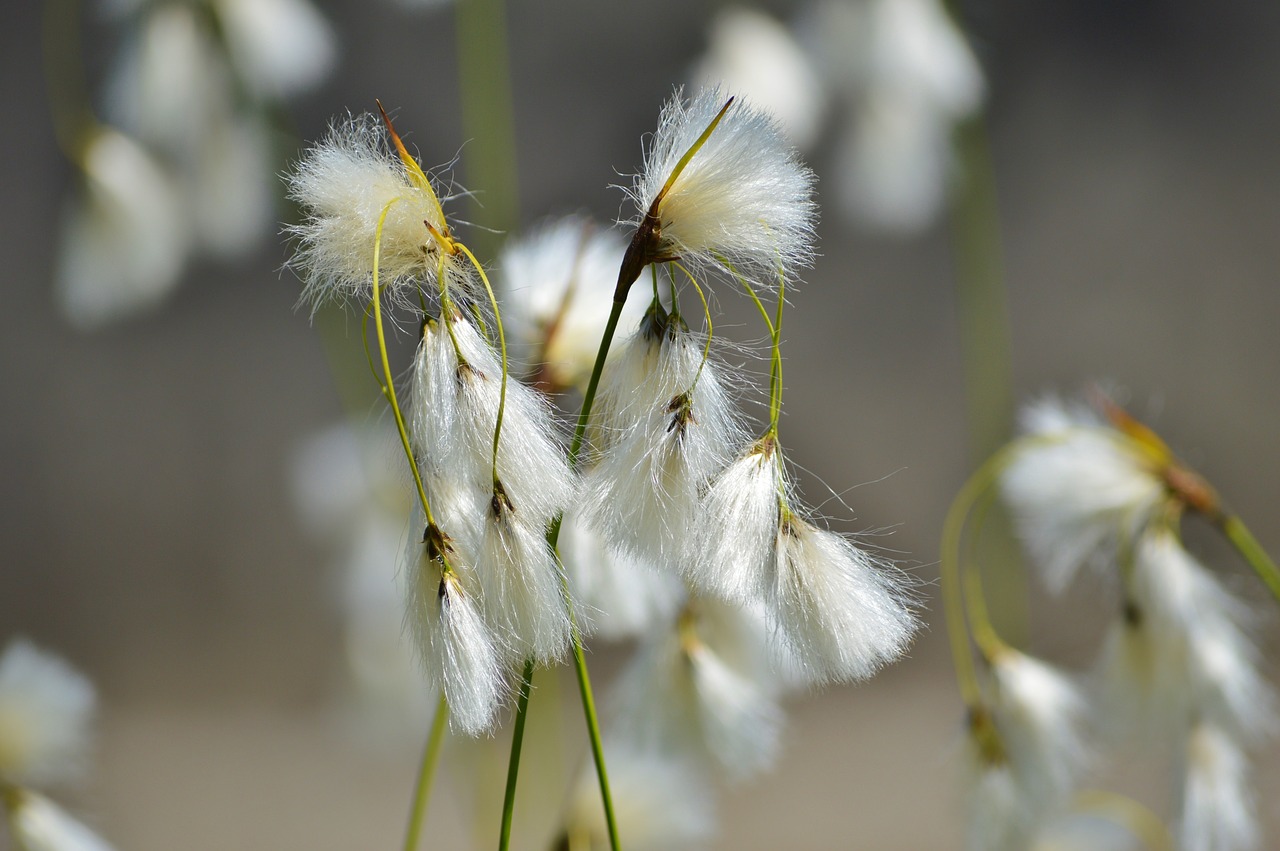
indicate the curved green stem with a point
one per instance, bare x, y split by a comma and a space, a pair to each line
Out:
426, 773
502, 343
513, 764
1130, 814
1248, 547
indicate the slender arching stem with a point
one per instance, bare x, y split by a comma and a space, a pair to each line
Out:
426, 773
502, 343
513, 763
1248, 547
706, 310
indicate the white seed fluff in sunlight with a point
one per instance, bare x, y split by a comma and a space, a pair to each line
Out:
661, 802
455, 646
743, 198
124, 243
45, 711
1038, 713
1077, 488
39, 824
750, 52
735, 550
557, 285
666, 427
1217, 801
521, 586
701, 684
617, 596
841, 612
455, 410
345, 184
279, 47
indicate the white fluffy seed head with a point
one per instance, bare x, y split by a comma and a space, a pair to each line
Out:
521, 585
45, 711
742, 200
617, 596
345, 183
667, 426
734, 552
1038, 713
558, 284
455, 646
702, 684
38, 824
123, 244
842, 612
1217, 801
1077, 489
279, 48
661, 801
454, 412
996, 817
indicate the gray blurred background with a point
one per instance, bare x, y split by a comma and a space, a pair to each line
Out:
147, 530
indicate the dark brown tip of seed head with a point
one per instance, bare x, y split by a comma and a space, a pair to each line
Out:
1132, 614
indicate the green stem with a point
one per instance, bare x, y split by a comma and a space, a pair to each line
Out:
513, 764
1247, 545
426, 773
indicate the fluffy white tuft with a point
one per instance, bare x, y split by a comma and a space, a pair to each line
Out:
124, 243
1077, 489
840, 611
39, 824
1217, 802
45, 711
997, 819
743, 199
663, 437
522, 586
279, 47
344, 183
734, 554
455, 646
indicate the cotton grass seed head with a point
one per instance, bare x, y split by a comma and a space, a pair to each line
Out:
39, 824
351, 185
721, 189
45, 711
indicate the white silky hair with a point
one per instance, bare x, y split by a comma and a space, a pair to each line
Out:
279, 48
557, 291
661, 802
124, 243
46, 708
1039, 712
734, 551
39, 824
841, 612
1217, 812
743, 200
702, 684
344, 183
1077, 489
456, 648
617, 596
522, 587
656, 454
996, 817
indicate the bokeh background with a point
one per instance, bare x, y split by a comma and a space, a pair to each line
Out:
148, 533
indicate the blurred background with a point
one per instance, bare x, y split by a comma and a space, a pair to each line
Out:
149, 532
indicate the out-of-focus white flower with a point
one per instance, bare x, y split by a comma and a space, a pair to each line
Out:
558, 286
123, 244
1077, 488
617, 596
840, 611
742, 200
997, 819
39, 824
661, 802
666, 426
1217, 802
232, 192
1086, 832
455, 646
703, 684
346, 184
908, 75
279, 48
45, 711
750, 52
